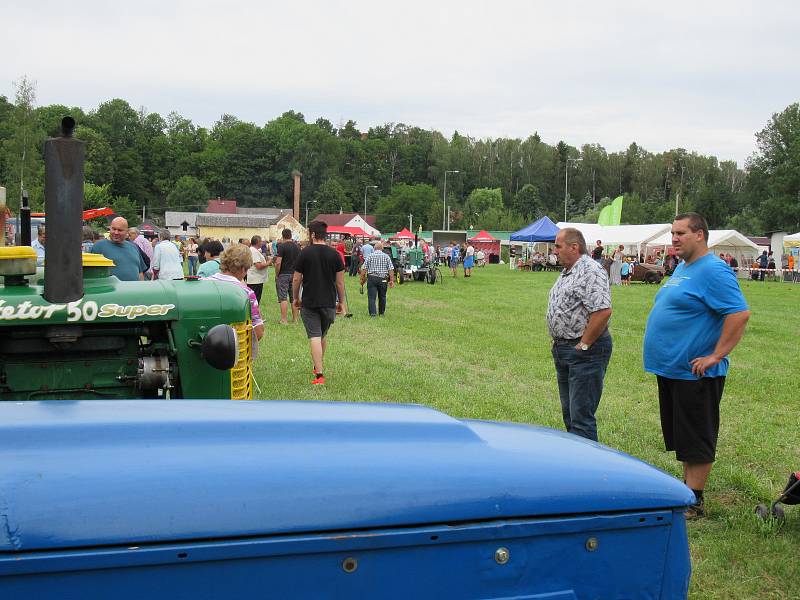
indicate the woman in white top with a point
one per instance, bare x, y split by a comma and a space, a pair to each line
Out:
616, 266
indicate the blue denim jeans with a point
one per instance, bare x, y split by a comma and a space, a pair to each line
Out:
376, 288
580, 383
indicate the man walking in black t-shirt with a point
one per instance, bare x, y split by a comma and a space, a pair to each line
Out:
319, 269
287, 254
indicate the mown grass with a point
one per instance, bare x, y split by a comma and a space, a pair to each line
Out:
478, 348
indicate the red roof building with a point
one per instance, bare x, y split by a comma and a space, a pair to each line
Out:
350, 220
342, 219
221, 207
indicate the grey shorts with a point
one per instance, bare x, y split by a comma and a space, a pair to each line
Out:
283, 285
317, 320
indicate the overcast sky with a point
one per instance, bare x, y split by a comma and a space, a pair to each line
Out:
702, 75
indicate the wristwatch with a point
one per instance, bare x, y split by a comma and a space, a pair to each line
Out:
583, 346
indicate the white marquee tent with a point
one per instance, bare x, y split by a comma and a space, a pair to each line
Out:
633, 237
722, 240
728, 241
792, 240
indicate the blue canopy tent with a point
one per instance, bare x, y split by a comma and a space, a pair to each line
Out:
543, 230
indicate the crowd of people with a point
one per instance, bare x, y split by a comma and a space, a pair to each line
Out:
701, 308
309, 282
759, 269
450, 255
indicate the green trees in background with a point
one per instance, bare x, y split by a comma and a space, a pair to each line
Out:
331, 197
420, 200
773, 183
140, 159
22, 146
100, 196
189, 195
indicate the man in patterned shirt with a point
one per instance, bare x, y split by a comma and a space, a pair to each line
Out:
378, 268
577, 319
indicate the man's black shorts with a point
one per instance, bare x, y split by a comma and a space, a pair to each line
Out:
317, 320
690, 416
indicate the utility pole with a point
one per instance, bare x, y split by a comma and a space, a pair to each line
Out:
445, 213
680, 191
566, 183
307, 203
365, 198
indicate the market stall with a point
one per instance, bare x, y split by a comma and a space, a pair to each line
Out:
792, 241
635, 239
489, 245
727, 241
343, 231
791, 245
543, 230
532, 243
404, 235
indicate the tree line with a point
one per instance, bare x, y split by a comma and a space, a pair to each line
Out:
140, 159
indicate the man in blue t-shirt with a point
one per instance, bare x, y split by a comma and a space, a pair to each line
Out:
697, 319
454, 255
128, 262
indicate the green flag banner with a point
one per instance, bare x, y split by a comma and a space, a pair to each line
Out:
611, 214
605, 216
616, 211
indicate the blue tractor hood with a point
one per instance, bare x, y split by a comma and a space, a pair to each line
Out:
95, 473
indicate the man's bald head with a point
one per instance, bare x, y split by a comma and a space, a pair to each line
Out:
118, 232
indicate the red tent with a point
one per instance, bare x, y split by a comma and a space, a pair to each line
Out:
405, 234
483, 236
485, 242
354, 231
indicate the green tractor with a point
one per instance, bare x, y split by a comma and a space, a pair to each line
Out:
74, 331
413, 266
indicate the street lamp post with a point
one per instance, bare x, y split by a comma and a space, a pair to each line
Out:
445, 219
566, 183
307, 203
365, 198
680, 191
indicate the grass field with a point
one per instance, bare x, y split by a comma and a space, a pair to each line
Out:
478, 348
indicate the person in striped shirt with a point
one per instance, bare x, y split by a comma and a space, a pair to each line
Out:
378, 268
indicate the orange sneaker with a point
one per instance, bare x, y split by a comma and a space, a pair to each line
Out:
319, 379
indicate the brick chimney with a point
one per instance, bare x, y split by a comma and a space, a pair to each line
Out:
297, 174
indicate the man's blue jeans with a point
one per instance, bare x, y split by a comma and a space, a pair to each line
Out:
580, 383
376, 288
